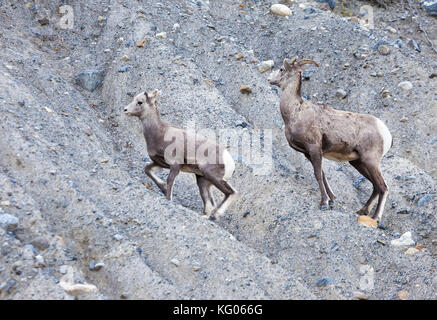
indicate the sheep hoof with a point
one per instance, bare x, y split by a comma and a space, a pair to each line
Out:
331, 204
362, 212
323, 207
212, 217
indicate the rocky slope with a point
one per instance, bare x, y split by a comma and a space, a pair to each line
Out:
77, 208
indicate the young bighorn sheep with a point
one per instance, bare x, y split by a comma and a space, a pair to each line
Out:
318, 130
169, 147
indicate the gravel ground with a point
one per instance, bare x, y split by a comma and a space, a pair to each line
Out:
80, 219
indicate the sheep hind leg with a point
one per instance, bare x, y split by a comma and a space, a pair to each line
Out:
376, 174
174, 171
373, 198
230, 196
329, 191
205, 193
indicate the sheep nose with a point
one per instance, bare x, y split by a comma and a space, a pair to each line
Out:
125, 109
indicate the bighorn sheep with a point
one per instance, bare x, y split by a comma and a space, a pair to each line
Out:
169, 147
318, 130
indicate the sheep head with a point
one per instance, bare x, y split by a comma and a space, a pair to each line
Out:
288, 69
142, 104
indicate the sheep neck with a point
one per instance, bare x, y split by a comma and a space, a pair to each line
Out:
291, 99
153, 126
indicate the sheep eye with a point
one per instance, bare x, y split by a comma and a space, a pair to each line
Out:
140, 102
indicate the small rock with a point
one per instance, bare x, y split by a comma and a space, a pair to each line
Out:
367, 222
266, 66
124, 69
323, 282
118, 237
239, 56
90, 79
403, 295
405, 86
162, 35
39, 261
77, 289
99, 266
245, 89
424, 200
420, 247
341, 94
141, 43
125, 295
404, 241
430, 7
125, 58
175, 262
196, 268
411, 251
413, 44
391, 29
63, 269
40, 243
8, 222
403, 119
384, 50
5, 203
360, 295
280, 10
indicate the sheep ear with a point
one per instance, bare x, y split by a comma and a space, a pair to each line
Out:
145, 93
287, 66
156, 93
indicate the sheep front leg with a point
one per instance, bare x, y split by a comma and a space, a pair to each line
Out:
315, 155
149, 170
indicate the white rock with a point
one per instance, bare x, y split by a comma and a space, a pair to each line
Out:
411, 251
404, 241
175, 262
405, 86
77, 289
280, 10
266, 66
162, 35
8, 222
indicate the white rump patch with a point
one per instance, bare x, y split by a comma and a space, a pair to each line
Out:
385, 134
229, 165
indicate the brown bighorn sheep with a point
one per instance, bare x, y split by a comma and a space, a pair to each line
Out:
169, 147
318, 130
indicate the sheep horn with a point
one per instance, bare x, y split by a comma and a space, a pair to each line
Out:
307, 61
293, 60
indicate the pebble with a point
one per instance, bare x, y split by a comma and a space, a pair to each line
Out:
239, 56
391, 29
266, 66
360, 295
384, 50
413, 44
424, 200
125, 58
125, 295
323, 282
162, 35
8, 222
40, 261
403, 295
175, 262
63, 269
280, 10
245, 89
411, 251
141, 43
77, 289
341, 94
405, 86
367, 222
118, 237
404, 241
40, 243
